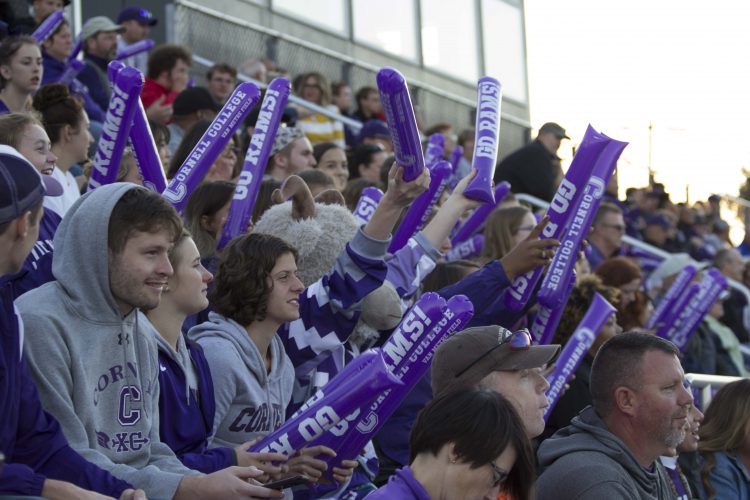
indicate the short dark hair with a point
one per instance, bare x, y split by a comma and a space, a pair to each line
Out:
34, 215
362, 155
353, 191
316, 177
221, 68
140, 209
242, 284
481, 424
58, 109
207, 199
618, 363
364, 92
164, 58
606, 207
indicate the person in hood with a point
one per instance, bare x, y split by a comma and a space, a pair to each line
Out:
90, 349
186, 393
37, 460
640, 404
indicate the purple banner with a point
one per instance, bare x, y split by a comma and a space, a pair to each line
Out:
419, 211
434, 150
547, 319
394, 94
146, 153
477, 218
711, 286
672, 316
367, 204
409, 368
133, 49
489, 99
466, 249
219, 133
554, 284
48, 26
366, 375
565, 200
679, 285
73, 67
126, 91
256, 160
576, 348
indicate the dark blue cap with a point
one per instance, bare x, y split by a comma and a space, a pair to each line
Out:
143, 16
374, 128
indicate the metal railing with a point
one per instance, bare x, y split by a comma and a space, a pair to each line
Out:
707, 384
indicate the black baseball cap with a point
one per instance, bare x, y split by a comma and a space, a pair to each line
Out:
192, 100
554, 128
21, 185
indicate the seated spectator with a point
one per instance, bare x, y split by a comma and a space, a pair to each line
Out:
67, 126
450, 455
376, 132
20, 73
37, 460
639, 410
99, 35
353, 191
466, 141
729, 360
341, 96
505, 228
55, 53
605, 237
255, 69
725, 443
93, 339
192, 105
291, 153
221, 80
729, 262
315, 88
128, 170
23, 133
369, 106
682, 467
224, 167
205, 215
625, 275
656, 232
162, 136
331, 160
39, 11
366, 161
578, 396
450, 137
317, 180
137, 22
167, 76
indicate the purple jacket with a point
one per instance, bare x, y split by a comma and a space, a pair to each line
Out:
30, 438
402, 485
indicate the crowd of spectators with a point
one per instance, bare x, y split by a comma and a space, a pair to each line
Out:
137, 359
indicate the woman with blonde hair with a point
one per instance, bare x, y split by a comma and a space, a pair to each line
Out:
725, 443
314, 87
504, 229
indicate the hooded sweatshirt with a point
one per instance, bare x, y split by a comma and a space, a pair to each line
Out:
97, 371
250, 402
586, 461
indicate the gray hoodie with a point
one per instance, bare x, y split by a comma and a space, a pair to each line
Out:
587, 461
97, 371
249, 401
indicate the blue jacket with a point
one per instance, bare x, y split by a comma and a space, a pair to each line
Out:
94, 77
30, 438
37, 268
729, 478
186, 422
53, 71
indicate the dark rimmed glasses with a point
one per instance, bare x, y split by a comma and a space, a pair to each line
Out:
518, 341
498, 475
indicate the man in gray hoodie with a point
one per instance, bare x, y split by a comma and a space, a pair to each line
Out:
640, 407
89, 352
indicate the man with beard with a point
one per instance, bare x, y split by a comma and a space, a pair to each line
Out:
99, 35
640, 408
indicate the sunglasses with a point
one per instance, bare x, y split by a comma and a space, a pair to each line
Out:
498, 475
518, 341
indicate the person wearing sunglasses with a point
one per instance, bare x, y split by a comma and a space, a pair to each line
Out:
640, 406
494, 358
605, 238
464, 444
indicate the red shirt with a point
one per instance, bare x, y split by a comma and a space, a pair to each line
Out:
152, 91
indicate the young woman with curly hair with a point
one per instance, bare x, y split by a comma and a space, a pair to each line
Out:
256, 290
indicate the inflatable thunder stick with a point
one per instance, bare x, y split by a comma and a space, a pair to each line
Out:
712, 286
48, 26
673, 315
261, 143
476, 220
133, 49
419, 211
561, 207
466, 249
489, 98
76, 48
219, 133
366, 377
434, 150
547, 319
367, 204
394, 94
126, 92
72, 68
554, 283
409, 369
576, 348
679, 285
146, 153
